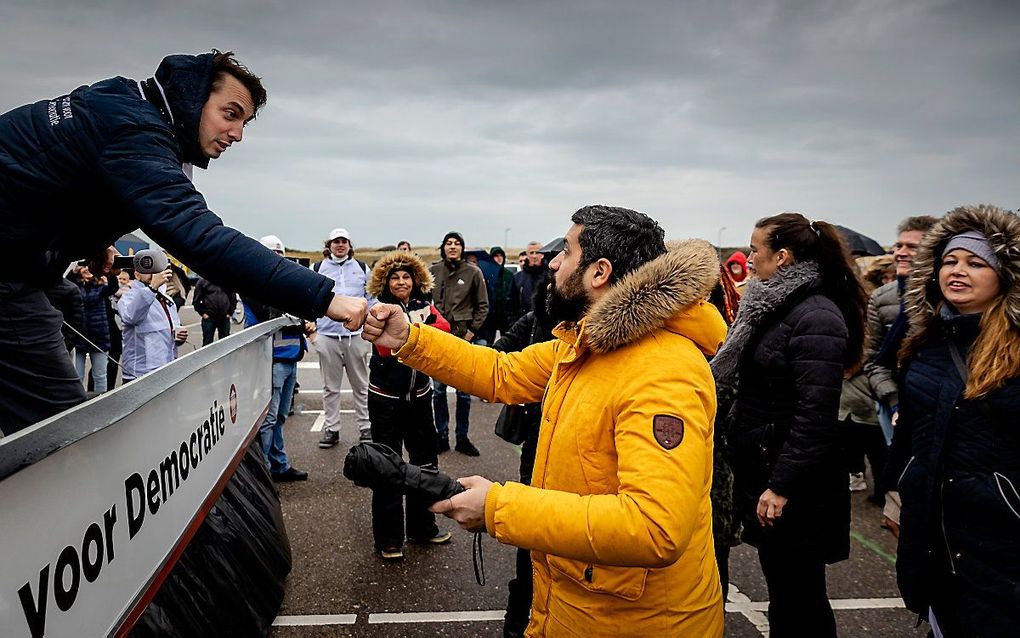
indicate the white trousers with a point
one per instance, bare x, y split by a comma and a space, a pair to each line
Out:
335, 356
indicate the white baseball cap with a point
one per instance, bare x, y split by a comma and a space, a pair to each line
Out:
337, 233
272, 242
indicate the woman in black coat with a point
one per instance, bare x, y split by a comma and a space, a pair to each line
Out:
798, 330
957, 441
400, 406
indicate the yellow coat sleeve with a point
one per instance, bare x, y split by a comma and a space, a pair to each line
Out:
501, 377
662, 493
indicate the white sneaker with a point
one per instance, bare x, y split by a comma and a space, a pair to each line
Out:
857, 482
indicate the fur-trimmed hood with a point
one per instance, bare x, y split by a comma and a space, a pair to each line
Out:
1002, 229
377, 283
655, 294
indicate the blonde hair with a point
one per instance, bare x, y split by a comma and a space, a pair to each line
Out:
995, 356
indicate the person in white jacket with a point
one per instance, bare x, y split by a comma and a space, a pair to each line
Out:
151, 326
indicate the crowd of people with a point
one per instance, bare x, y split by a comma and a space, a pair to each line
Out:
668, 405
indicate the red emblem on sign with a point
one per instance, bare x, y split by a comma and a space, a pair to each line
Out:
668, 430
233, 403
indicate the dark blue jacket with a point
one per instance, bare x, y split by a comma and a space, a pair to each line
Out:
96, 299
80, 170
961, 507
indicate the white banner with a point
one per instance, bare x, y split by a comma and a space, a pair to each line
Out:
89, 531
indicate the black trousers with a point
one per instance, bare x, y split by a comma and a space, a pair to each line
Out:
798, 601
213, 325
398, 424
37, 377
520, 589
860, 440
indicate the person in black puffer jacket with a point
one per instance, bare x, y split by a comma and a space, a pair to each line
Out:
533, 327
400, 405
956, 447
799, 328
82, 169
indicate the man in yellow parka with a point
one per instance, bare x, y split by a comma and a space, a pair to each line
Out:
618, 517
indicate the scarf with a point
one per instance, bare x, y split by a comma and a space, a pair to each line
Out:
761, 299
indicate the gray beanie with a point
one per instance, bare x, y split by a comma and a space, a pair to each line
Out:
975, 243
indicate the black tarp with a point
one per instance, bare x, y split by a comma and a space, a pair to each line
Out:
230, 579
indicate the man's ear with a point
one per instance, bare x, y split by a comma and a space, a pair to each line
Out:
601, 271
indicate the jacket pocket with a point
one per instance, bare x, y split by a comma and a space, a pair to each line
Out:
1008, 492
623, 582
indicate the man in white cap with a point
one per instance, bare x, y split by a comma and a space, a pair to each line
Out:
339, 348
289, 347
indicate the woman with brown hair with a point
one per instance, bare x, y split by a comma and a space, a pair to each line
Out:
958, 562
799, 328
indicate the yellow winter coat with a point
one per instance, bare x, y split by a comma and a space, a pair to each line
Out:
618, 518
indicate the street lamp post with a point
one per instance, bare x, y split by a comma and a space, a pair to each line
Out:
506, 237
718, 243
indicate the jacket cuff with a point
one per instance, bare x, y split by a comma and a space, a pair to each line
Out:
490, 508
411, 343
323, 306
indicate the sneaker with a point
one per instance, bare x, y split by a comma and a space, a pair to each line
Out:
441, 538
391, 553
289, 475
857, 482
365, 436
442, 445
467, 447
329, 439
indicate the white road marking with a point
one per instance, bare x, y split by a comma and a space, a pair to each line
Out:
323, 411
442, 616
741, 604
320, 423
737, 603
299, 621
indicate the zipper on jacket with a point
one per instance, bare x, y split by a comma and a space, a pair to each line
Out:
942, 521
904, 472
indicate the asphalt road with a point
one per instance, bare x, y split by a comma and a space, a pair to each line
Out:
338, 587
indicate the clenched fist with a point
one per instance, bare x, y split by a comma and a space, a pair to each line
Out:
386, 326
350, 310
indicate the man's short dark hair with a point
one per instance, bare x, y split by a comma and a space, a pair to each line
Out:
922, 223
627, 238
225, 64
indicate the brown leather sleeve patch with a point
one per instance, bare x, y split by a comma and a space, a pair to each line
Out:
668, 430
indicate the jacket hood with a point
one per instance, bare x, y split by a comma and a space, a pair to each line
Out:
669, 292
1002, 229
377, 282
186, 81
737, 257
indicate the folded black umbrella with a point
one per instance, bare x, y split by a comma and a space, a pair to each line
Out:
377, 466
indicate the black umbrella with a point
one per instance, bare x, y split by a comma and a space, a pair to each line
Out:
554, 247
377, 466
859, 245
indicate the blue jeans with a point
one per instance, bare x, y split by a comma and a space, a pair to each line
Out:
885, 420
442, 411
98, 367
271, 430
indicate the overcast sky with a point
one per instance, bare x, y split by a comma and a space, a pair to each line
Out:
402, 120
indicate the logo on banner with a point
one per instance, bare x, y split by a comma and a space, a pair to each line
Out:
233, 403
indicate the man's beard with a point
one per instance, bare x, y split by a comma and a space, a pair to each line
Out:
568, 302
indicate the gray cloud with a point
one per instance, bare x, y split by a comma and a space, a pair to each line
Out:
407, 119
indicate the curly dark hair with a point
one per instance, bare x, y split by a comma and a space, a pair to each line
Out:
627, 238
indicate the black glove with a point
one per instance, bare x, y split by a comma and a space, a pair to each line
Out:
377, 466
